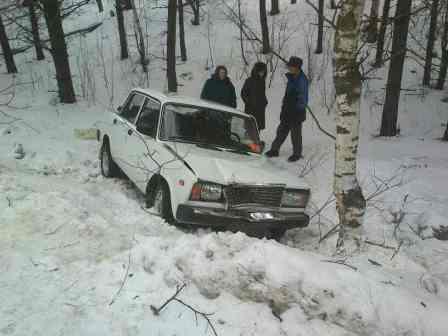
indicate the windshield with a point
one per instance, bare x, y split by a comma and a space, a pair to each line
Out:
211, 128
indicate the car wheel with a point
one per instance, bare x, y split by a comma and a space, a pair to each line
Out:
108, 166
277, 234
161, 201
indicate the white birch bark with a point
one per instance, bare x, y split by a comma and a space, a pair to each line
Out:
350, 202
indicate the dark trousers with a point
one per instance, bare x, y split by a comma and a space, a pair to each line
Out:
296, 136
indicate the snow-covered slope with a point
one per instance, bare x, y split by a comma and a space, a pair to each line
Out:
79, 255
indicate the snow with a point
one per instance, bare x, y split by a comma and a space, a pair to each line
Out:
70, 239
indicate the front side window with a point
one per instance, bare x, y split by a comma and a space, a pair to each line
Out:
149, 118
208, 127
131, 109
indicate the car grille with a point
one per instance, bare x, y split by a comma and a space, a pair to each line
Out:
240, 195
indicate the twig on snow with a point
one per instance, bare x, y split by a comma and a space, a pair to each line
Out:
206, 316
341, 262
123, 281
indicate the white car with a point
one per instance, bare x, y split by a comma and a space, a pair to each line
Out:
201, 163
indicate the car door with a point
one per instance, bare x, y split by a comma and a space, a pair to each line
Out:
125, 127
145, 153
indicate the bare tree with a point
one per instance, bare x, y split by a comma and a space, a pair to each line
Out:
430, 43
171, 46
350, 202
53, 18
393, 87
195, 7
6, 48
372, 26
140, 39
382, 34
264, 27
444, 47
320, 27
121, 30
183, 47
100, 5
34, 21
275, 7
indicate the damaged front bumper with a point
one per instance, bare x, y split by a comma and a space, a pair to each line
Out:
245, 219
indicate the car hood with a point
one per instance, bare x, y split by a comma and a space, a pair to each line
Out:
226, 167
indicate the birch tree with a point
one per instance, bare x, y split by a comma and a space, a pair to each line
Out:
350, 202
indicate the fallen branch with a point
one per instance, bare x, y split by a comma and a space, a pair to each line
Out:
341, 262
205, 316
123, 282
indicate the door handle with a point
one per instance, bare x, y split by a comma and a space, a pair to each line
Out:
115, 121
130, 132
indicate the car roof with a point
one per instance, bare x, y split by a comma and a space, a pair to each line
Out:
179, 99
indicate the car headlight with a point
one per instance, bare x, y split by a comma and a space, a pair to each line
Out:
295, 198
206, 192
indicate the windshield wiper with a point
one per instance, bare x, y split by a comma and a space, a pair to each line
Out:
180, 138
209, 146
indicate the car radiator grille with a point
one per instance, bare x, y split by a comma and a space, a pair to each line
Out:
240, 195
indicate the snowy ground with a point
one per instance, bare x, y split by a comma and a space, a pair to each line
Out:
79, 255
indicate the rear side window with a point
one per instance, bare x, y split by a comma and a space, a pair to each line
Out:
132, 107
149, 118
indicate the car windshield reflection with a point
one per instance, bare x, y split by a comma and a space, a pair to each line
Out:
209, 128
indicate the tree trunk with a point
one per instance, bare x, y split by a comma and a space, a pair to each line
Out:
430, 44
171, 47
100, 5
35, 31
195, 7
126, 4
264, 27
333, 4
275, 7
6, 48
59, 51
393, 88
140, 39
444, 46
121, 30
320, 27
183, 47
372, 27
382, 34
350, 201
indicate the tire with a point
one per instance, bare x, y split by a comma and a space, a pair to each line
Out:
277, 234
160, 200
109, 168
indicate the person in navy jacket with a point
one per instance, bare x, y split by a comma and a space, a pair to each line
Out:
293, 112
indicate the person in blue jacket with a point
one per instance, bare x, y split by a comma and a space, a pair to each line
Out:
293, 112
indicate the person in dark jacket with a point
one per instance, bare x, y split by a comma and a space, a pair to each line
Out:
254, 94
219, 88
293, 112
